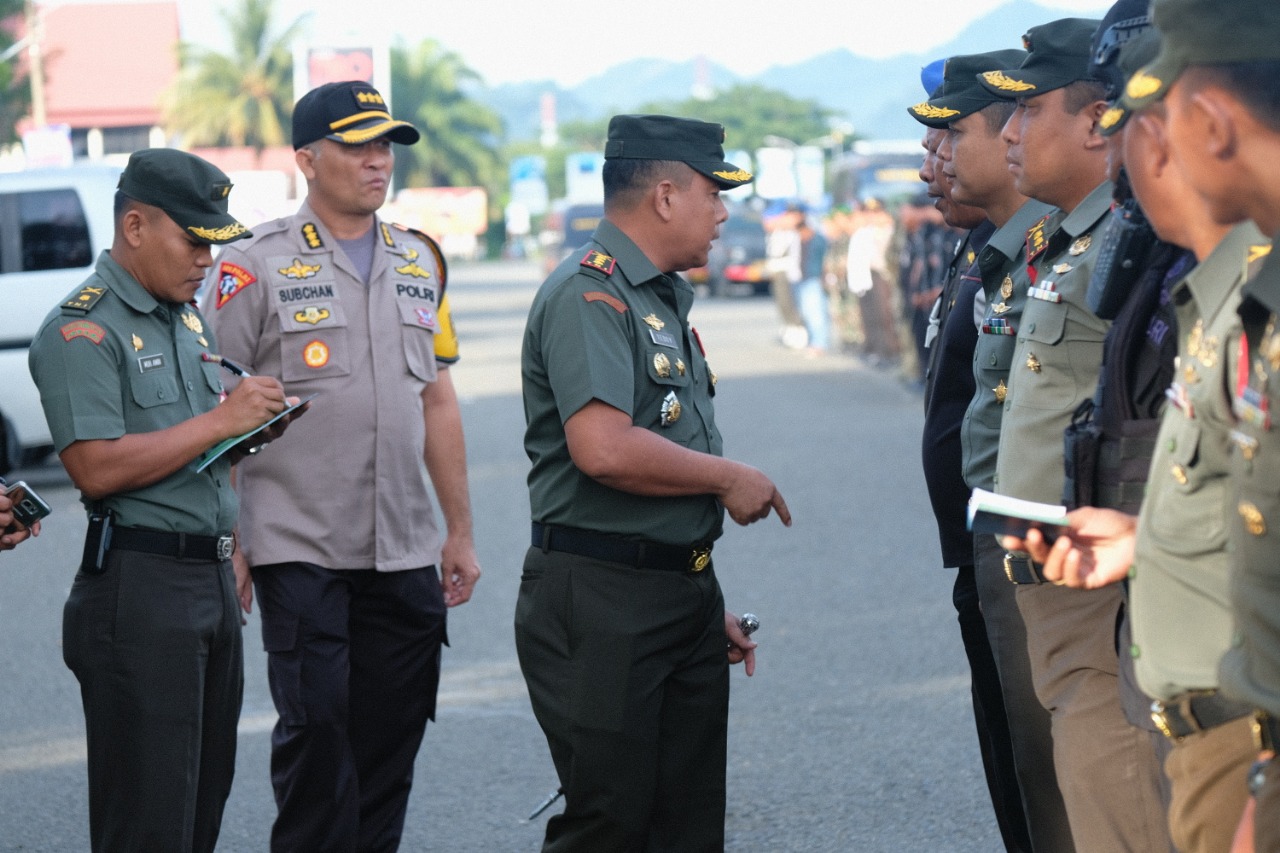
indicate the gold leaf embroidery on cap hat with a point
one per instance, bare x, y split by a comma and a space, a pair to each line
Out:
927, 110
226, 232
1142, 85
1006, 84
739, 175
1110, 117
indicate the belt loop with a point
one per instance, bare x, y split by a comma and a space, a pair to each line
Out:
182, 545
546, 538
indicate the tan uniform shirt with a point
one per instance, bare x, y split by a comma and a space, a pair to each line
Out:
346, 487
1056, 362
1178, 591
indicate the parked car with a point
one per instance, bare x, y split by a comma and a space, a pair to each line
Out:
738, 260
53, 225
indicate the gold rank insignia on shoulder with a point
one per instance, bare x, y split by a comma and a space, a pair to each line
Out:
312, 236
387, 239
412, 268
652, 321
670, 409
1081, 245
1001, 391
1006, 287
1253, 520
192, 322
137, 343
298, 271
662, 365
86, 298
1033, 363
598, 261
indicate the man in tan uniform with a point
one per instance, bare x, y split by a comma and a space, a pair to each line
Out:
340, 304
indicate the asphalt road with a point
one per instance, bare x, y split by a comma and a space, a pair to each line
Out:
854, 735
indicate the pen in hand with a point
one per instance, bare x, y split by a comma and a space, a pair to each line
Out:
225, 362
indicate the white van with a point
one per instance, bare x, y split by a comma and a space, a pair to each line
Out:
53, 225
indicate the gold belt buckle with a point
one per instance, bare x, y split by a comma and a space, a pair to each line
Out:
1159, 717
1262, 732
1008, 566
699, 559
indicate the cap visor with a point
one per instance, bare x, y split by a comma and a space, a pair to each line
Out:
1150, 83
399, 131
1022, 83
224, 229
726, 175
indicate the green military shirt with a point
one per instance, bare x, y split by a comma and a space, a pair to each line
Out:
608, 325
1057, 357
1250, 669
1178, 592
111, 361
1004, 282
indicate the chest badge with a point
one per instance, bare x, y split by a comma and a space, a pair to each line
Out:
1081, 245
312, 314
298, 271
1033, 363
1006, 287
1253, 520
192, 322
680, 366
315, 354
137, 343
1062, 268
1001, 391
653, 322
670, 409
662, 365
412, 268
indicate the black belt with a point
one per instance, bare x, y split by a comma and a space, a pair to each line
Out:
1020, 568
1196, 712
183, 546
1266, 731
639, 554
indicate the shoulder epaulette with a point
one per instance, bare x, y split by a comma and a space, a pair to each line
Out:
311, 235
84, 300
431, 244
1036, 241
1256, 254
598, 263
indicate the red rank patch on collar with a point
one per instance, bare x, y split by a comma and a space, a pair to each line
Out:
232, 278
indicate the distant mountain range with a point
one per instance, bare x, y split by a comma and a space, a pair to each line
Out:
872, 94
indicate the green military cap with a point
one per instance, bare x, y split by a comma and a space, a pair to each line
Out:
1058, 55
192, 191
1204, 32
1134, 54
961, 94
697, 144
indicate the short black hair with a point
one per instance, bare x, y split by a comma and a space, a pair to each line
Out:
1253, 83
1081, 93
997, 113
626, 178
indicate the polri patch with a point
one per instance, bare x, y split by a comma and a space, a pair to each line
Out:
232, 278
599, 261
83, 329
612, 301
149, 363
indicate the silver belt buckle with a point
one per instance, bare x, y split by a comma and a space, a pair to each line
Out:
226, 546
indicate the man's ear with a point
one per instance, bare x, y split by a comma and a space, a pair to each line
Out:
662, 196
304, 157
1216, 122
1094, 112
132, 223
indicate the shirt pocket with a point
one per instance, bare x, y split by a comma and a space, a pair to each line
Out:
1187, 509
1048, 371
665, 405
313, 341
419, 322
154, 389
993, 359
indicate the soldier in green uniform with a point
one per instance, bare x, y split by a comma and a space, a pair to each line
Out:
1106, 768
620, 624
1216, 73
973, 156
151, 627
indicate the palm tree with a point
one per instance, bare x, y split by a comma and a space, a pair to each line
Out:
242, 99
15, 96
460, 135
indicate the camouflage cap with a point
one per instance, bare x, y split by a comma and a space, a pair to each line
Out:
961, 93
1057, 55
192, 191
697, 144
1204, 32
1133, 55
351, 112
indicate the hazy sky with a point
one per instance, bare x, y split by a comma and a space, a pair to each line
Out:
571, 40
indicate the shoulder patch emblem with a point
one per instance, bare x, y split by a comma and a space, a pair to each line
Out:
83, 329
86, 298
312, 235
612, 301
299, 271
1036, 241
599, 261
386, 234
232, 278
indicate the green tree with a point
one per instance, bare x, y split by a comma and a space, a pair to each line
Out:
245, 98
15, 95
750, 112
460, 135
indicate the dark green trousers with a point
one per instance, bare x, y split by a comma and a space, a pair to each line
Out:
156, 645
628, 677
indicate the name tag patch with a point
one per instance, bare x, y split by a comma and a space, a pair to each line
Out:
663, 339
149, 363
